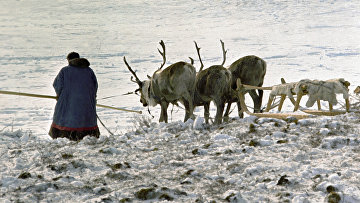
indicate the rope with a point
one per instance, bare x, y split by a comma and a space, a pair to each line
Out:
128, 93
120, 109
104, 125
27, 94
53, 97
110, 97
150, 112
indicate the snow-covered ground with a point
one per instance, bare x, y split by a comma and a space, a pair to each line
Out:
246, 160
254, 160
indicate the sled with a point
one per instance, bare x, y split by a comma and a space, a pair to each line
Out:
241, 95
241, 89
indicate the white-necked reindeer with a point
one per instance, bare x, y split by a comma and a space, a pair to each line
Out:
251, 70
170, 85
212, 84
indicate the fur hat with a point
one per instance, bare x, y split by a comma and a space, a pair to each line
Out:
72, 55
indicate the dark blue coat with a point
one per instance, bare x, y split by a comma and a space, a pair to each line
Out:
76, 87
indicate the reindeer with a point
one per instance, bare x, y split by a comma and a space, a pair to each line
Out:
212, 84
251, 71
170, 85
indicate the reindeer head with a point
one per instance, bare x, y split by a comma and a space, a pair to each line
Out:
144, 86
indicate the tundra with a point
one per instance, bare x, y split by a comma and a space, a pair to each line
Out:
170, 85
212, 84
251, 71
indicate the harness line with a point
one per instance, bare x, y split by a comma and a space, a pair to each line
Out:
54, 97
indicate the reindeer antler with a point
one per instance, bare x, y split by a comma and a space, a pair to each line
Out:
198, 52
162, 53
137, 80
191, 61
224, 52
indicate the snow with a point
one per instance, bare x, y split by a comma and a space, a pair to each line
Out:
245, 160
176, 161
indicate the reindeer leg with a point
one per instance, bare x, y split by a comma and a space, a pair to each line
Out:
219, 112
190, 112
187, 110
241, 98
240, 110
207, 112
163, 115
261, 93
347, 103
256, 100
227, 112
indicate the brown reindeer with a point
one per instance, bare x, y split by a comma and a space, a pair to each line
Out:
251, 70
170, 85
212, 84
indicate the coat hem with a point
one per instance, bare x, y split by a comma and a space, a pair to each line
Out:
73, 129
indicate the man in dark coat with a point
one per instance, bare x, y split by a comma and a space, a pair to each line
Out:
75, 111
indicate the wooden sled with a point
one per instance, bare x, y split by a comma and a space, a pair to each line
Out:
241, 89
241, 92
330, 112
296, 104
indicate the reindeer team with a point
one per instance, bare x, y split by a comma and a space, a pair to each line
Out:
180, 82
